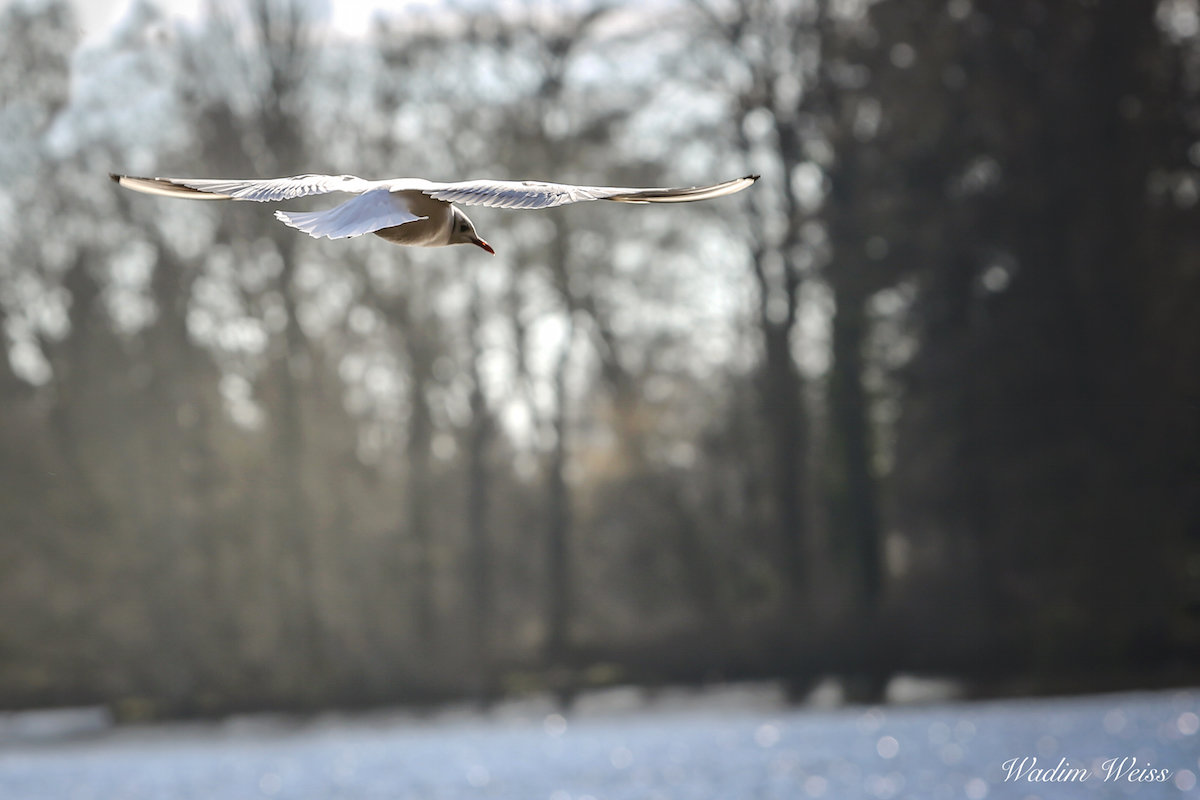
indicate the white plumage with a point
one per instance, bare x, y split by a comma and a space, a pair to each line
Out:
411, 211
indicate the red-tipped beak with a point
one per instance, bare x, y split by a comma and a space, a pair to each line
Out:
484, 245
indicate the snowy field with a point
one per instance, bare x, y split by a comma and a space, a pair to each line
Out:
738, 743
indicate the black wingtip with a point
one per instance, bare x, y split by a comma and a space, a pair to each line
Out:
753, 177
114, 177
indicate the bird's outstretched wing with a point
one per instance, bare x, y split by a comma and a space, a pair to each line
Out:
263, 191
494, 194
537, 194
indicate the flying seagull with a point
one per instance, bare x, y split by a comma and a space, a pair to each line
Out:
410, 211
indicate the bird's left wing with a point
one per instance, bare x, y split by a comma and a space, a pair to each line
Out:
266, 190
536, 194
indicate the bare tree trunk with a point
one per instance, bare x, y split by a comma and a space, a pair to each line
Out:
420, 438
558, 519
854, 517
294, 514
273, 140
783, 403
853, 498
781, 393
477, 532
478, 558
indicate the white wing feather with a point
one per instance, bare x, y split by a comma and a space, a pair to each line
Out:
367, 213
514, 194
537, 194
262, 191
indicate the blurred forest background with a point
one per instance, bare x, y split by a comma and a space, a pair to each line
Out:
926, 399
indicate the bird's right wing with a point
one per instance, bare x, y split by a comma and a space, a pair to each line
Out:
262, 191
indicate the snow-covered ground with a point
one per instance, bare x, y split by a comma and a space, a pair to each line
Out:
738, 743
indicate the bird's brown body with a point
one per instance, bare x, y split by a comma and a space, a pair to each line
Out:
435, 230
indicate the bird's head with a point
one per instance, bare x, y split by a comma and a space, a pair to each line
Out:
462, 231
